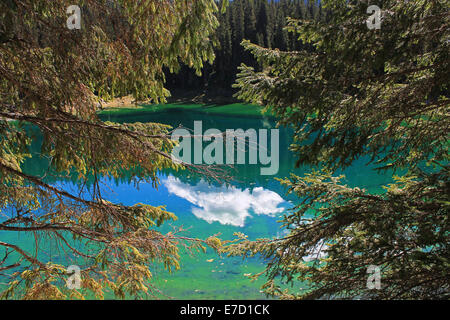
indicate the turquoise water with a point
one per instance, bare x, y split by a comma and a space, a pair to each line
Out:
252, 204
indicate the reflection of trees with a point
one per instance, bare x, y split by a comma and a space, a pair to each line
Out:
242, 175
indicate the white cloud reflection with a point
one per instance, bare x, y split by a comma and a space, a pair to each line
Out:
227, 205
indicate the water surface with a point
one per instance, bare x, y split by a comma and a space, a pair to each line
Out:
252, 204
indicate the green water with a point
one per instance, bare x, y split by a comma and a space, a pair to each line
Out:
252, 204
235, 109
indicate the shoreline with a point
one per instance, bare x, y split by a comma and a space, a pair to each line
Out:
213, 97
219, 105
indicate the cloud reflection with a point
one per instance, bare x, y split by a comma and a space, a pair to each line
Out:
227, 205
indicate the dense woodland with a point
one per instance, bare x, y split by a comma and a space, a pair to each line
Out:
51, 77
262, 22
380, 95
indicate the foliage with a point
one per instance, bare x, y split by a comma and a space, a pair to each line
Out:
381, 94
52, 77
260, 21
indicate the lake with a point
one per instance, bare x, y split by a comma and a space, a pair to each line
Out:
253, 204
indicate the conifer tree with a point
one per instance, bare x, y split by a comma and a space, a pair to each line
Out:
52, 77
381, 94
260, 21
